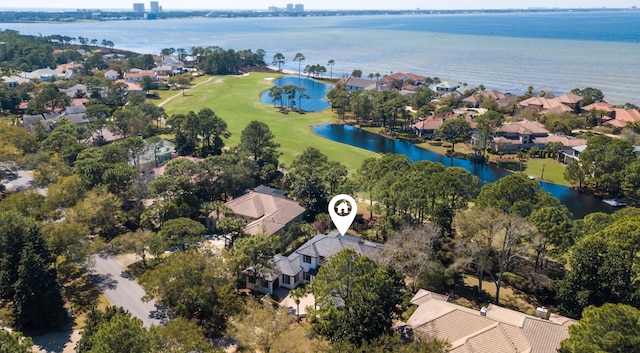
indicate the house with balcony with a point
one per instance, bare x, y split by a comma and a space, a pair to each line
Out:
359, 84
302, 266
517, 135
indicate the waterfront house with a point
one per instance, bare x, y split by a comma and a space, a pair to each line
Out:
266, 211
302, 265
524, 134
490, 329
502, 99
446, 87
612, 116
567, 102
359, 84
428, 127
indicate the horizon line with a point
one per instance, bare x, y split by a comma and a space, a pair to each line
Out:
75, 9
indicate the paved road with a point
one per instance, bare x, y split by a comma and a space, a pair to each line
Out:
121, 291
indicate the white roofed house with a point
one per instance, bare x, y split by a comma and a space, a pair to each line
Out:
301, 266
359, 84
112, 75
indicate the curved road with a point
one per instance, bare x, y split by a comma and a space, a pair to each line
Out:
120, 291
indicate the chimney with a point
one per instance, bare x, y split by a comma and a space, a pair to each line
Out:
542, 313
483, 311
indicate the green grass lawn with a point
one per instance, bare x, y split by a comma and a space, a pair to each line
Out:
553, 170
237, 101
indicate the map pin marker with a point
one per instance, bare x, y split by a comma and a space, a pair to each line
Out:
342, 210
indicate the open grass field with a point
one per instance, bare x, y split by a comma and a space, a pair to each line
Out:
236, 99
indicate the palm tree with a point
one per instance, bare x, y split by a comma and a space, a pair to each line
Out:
279, 60
299, 58
370, 76
331, 62
298, 294
377, 76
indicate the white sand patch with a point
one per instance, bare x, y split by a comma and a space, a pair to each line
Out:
268, 78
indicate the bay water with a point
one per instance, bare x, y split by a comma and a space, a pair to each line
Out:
507, 52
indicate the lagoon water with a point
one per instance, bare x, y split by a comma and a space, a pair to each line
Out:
507, 52
314, 89
578, 203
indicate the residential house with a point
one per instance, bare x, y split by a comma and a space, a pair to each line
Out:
428, 127
502, 99
303, 264
517, 135
409, 82
112, 75
567, 102
491, 329
102, 136
132, 87
136, 75
612, 116
447, 87
573, 154
14, 81
359, 84
266, 211
46, 75
29, 121
75, 91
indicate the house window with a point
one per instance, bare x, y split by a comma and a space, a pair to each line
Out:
252, 280
286, 279
307, 277
306, 259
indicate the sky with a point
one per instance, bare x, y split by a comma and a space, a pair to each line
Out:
320, 4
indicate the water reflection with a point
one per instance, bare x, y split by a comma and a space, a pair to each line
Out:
315, 90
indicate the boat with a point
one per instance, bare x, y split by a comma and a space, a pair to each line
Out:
614, 202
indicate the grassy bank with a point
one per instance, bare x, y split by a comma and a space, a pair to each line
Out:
237, 101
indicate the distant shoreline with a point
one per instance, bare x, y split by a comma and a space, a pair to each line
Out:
65, 15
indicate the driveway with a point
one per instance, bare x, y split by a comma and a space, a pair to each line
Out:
124, 292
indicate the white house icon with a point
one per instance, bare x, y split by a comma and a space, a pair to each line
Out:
343, 208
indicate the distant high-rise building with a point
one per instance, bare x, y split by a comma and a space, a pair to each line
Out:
154, 7
299, 8
289, 7
138, 7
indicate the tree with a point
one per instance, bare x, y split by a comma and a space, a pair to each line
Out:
27, 277
553, 225
604, 268
195, 286
122, 334
299, 58
455, 130
141, 242
608, 328
490, 241
254, 251
487, 123
182, 336
181, 231
331, 62
411, 249
13, 342
258, 142
148, 83
356, 73
357, 298
515, 194
278, 59
589, 95
575, 174
262, 326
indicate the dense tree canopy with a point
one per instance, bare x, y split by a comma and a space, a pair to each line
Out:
608, 328
357, 298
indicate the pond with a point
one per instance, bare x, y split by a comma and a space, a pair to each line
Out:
580, 204
314, 89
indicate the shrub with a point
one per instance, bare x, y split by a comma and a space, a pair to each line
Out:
446, 145
436, 143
